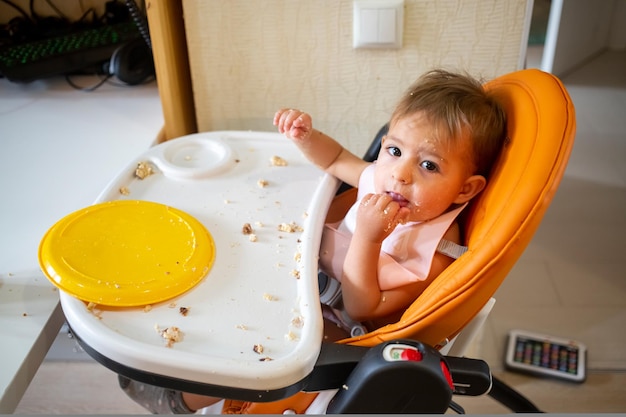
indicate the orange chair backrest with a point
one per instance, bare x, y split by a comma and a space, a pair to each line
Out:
501, 221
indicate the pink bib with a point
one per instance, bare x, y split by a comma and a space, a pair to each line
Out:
407, 253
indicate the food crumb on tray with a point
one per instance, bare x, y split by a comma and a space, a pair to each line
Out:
171, 334
298, 321
277, 161
143, 170
289, 227
269, 297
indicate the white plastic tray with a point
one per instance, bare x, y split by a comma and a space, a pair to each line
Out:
251, 296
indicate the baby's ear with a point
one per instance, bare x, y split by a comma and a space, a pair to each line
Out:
472, 186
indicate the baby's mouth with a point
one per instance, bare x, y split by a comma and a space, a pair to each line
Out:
398, 198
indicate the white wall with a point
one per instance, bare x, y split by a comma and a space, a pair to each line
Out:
617, 35
580, 29
249, 58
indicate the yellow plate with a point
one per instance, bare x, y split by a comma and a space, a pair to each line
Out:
126, 253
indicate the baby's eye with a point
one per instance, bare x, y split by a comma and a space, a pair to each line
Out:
429, 166
394, 151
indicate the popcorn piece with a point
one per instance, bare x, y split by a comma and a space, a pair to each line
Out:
278, 161
183, 311
143, 170
124, 191
262, 183
171, 334
258, 348
247, 229
297, 321
289, 227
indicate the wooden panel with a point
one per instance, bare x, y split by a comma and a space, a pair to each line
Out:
169, 47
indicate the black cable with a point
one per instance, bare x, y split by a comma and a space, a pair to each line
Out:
106, 79
94, 16
56, 9
140, 21
510, 398
456, 408
90, 88
32, 10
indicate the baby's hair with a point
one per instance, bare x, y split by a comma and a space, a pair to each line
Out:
456, 104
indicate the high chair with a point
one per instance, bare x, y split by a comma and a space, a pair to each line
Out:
498, 226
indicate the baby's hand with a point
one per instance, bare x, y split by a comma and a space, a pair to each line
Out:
294, 124
377, 216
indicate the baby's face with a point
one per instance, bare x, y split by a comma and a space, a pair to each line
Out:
420, 172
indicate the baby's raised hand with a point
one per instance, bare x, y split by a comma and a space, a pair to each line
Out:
295, 124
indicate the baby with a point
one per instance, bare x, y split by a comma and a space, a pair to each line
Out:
443, 138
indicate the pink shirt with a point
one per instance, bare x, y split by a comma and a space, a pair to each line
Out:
407, 253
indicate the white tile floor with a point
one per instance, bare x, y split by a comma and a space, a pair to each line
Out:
570, 282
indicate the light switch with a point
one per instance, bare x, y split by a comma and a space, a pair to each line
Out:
368, 31
387, 25
378, 23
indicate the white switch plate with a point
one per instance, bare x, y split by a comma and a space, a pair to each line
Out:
378, 23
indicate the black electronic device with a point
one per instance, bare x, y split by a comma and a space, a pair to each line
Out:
132, 62
541, 354
66, 53
119, 48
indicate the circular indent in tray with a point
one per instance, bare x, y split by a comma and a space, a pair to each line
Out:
195, 158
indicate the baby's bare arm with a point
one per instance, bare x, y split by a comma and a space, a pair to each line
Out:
319, 148
377, 216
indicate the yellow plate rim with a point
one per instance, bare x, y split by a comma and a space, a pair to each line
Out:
69, 281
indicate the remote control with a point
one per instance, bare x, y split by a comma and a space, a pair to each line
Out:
546, 355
